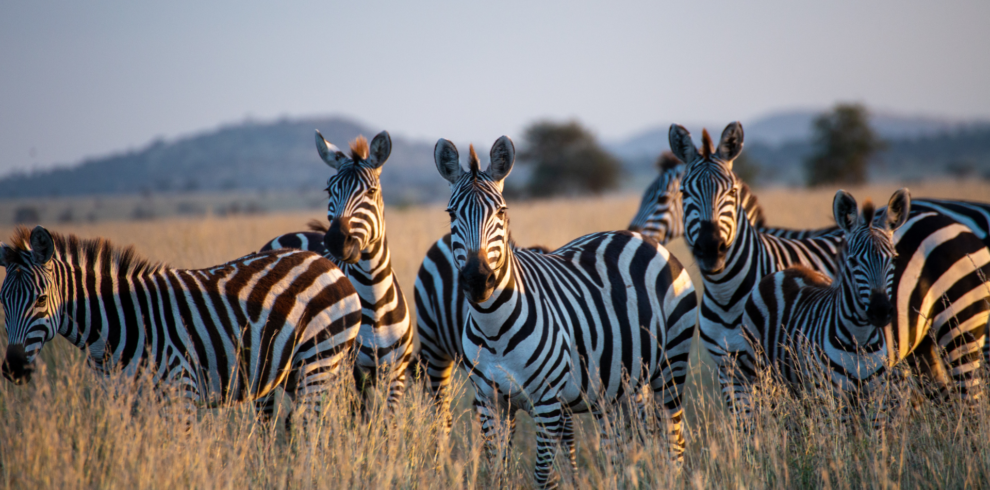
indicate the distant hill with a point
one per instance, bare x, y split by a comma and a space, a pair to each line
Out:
787, 127
917, 147
250, 156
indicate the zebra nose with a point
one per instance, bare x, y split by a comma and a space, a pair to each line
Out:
880, 312
340, 242
15, 366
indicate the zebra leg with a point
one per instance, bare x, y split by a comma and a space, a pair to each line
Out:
397, 387
548, 416
736, 375
493, 433
439, 371
364, 380
606, 429
667, 393
567, 440
312, 382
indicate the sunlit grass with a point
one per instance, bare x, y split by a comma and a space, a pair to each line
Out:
72, 428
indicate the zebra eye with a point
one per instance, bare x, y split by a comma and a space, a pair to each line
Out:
372, 192
40, 302
501, 213
662, 199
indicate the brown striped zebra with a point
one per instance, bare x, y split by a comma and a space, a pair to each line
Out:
231, 332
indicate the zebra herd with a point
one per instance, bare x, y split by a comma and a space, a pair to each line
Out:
606, 317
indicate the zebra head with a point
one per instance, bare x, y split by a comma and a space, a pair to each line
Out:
661, 213
30, 301
710, 192
867, 261
355, 208
479, 223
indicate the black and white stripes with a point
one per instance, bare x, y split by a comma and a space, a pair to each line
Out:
937, 277
355, 241
227, 333
565, 332
808, 329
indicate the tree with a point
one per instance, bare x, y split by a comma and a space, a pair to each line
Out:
565, 158
746, 168
844, 146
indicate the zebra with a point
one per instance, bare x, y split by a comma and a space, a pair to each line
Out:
356, 242
938, 283
803, 325
231, 332
661, 216
561, 333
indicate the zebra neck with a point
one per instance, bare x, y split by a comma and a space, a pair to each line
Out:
852, 331
93, 313
371, 276
745, 265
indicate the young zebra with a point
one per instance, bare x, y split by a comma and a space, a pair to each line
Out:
356, 242
561, 333
938, 275
228, 333
801, 324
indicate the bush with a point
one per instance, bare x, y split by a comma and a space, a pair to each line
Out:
566, 159
844, 146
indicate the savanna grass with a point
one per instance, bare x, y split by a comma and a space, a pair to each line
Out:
72, 428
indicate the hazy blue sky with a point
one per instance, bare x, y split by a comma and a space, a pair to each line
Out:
82, 79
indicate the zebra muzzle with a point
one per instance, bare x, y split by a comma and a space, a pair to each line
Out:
16, 367
881, 311
340, 242
477, 279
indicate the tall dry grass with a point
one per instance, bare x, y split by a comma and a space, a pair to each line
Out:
72, 428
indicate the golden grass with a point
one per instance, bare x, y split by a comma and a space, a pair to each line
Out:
71, 428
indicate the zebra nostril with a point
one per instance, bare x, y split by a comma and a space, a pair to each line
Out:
722, 247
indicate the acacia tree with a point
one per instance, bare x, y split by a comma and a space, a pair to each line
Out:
844, 146
565, 158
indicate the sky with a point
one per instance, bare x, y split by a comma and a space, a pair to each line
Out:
85, 79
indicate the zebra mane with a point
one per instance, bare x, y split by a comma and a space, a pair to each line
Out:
813, 277
317, 225
125, 258
359, 148
869, 210
473, 161
706, 144
667, 161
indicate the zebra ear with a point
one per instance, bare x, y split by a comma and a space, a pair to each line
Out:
42, 245
681, 144
448, 160
898, 209
381, 148
329, 153
503, 154
846, 211
732, 142
4, 252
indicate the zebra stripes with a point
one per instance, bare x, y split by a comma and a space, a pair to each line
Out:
937, 275
227, 333
661, 217
565, 332
661, 210
803, 326
356, 242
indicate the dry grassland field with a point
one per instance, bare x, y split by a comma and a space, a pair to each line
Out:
69, 428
